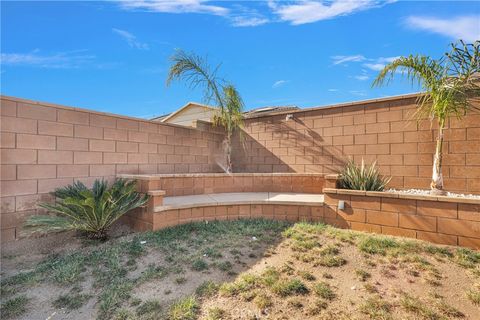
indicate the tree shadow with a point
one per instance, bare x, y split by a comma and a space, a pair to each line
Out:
286, 146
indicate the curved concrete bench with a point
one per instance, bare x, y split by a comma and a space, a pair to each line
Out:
169, 211
239, 198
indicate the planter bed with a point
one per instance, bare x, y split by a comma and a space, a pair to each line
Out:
439, 219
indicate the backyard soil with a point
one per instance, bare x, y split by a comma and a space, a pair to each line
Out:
250, 269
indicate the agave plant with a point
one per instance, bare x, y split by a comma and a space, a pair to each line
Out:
362, 177
92, 211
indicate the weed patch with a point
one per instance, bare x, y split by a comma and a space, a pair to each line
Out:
377, 245
416, 306
14, 307
306, 275
71, 301
185, 309
323, 290
149, 307
376, 308
362, 275
289, 287
215, 314
474, 295
263, 301
207, 289
199, 265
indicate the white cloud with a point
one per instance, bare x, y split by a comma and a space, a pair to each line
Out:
238, 15
388, 59
332, 90
301, 12
130, 39
374, 66
344, 59
60, 60
461, 27
379, 63
245, 21
279, 83
362, 77
175, 6
358, 92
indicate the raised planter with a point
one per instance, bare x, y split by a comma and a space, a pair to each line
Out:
438, 219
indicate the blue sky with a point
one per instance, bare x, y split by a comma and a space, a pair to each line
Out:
113, 56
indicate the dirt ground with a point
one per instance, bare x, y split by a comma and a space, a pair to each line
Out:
250, 269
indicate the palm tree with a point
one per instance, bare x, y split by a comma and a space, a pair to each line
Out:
196, 71
450, 84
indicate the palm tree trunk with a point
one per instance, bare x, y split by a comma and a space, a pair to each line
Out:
437, 177
228, 153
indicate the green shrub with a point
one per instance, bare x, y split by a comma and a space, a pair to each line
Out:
362, 177
89, 210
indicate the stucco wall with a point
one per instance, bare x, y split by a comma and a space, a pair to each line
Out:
45, 146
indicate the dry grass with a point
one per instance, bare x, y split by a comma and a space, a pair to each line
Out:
250, 269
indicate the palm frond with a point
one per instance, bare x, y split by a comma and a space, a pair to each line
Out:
195, 70
450, 83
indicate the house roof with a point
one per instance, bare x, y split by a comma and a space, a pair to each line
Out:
251, 113
268, 110
187, 105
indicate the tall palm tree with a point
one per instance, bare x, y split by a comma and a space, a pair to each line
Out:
196, 71
451, 87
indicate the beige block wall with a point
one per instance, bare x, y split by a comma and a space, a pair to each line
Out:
45, 146
320, 139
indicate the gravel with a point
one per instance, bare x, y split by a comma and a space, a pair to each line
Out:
427, 192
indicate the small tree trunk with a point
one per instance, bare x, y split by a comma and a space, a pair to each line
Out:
437, 177
228, 153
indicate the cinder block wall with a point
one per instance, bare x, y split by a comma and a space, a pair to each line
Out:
45, 146
320, 139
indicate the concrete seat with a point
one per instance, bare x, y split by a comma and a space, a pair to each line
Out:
239, 198
162, 212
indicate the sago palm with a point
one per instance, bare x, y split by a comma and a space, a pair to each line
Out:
196, 71
92, 211
451, 88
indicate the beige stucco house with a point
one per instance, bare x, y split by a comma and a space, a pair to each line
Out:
188, 114
193, 111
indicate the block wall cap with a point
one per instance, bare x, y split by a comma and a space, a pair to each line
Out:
332, 176
386, 194
156, 193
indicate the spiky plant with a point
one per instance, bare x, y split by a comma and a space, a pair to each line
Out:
362, 177
451, 85
196, 71
92, 211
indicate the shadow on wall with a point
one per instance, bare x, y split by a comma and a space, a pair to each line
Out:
285, 146
248, 155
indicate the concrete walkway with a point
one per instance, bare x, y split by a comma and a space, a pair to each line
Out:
206, 200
